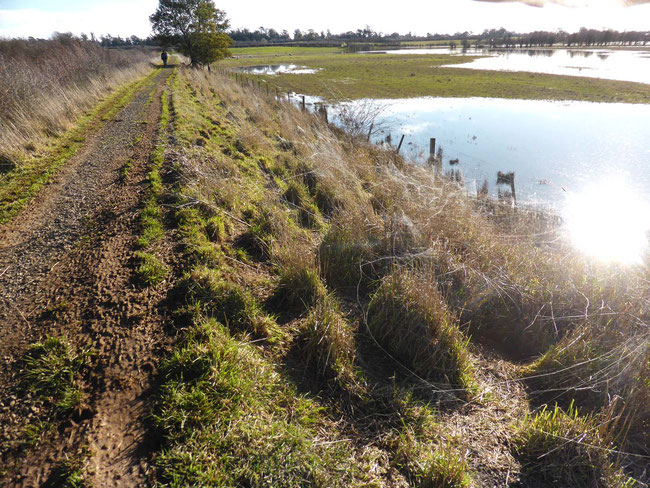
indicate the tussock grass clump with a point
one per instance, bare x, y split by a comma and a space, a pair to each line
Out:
227, 302
52, 369
445, 470
296, 194
351, 253
300, 284
566, 449
228, 419
327, 343
217, 228
409, 318
202, 245
596, 369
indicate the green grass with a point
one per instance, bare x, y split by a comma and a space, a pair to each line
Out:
402, 76
52, 370
408, 317
228, 419
68, 474
124, 170
150, 270
228, 302
19, 186
565, 449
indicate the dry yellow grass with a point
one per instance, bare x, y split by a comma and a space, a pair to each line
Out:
46, 85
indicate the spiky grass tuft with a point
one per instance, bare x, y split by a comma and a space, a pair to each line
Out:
408, 317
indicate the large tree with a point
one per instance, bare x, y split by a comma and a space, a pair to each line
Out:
195, 27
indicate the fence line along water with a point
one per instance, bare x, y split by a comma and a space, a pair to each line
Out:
321, 109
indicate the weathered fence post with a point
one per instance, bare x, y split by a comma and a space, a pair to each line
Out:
508, 179
303, 102
432, 147
400, 143
372, 126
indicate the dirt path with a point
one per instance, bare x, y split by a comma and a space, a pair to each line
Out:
66, 266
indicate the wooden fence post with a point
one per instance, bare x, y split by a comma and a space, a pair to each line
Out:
372, 126
400, 143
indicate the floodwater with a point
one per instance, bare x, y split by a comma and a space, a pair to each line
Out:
277, 69
612, 64
607, 64
589, 162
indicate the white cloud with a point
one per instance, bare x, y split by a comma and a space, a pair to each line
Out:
116, 18
126, 17
444, 16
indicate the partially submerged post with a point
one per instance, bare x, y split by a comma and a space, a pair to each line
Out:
434, 161
303, 102
400, 143
508, 179
372, 126
322, 110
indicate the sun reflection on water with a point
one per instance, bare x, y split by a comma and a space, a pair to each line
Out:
609, 220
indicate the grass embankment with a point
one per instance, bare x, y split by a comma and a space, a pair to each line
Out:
336, 303
32, 171
353, 76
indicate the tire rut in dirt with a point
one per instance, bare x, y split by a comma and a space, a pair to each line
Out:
76, 246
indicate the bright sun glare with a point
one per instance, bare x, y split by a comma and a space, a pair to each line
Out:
609, 220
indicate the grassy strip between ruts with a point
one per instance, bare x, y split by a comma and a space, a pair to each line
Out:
151, 270
20, 185
354, 76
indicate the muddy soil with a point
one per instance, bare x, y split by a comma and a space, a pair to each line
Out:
67, 268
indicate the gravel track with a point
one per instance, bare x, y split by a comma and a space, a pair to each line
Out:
66, 267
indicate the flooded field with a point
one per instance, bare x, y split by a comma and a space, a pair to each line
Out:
589, 162
624, 65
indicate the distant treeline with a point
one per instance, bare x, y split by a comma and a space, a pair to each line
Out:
105, 40
489, 37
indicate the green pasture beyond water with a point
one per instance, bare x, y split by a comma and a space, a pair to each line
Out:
351, 76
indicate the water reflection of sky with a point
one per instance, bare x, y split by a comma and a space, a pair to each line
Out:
589, 161
276, 69
613, 64
608, 64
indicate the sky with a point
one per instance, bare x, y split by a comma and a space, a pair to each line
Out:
39, 18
